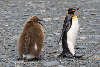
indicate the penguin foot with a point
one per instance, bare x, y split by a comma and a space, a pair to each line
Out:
78, 56
33, 59
60, 56
20, 58
69, 55
65, 55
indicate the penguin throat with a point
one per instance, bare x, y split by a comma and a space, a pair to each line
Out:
74, 16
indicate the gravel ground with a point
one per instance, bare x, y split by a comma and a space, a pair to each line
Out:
14, 13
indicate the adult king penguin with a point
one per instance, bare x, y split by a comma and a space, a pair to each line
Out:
69, 33
31, 40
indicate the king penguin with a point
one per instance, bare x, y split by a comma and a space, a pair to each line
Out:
69, 33
31, 40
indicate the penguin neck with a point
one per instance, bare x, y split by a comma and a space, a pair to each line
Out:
74, 16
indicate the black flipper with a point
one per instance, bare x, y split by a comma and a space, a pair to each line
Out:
66, 26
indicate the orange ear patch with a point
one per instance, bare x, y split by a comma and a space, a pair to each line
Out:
74, 16
74, 10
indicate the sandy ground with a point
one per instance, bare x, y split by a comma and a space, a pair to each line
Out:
14, 13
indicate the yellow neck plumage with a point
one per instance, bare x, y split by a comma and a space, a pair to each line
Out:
74, 16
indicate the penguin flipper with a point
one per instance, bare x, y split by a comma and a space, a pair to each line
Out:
21, 44
67, 23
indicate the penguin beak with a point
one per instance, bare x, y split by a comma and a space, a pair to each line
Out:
41, 20
42, 24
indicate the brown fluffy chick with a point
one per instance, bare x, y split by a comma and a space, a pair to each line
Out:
31, 39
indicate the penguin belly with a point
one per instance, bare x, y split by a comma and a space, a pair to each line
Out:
72, 35
36, 43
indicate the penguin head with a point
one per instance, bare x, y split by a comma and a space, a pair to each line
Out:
71, 11
35, 19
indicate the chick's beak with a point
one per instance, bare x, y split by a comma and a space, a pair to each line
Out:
41, 20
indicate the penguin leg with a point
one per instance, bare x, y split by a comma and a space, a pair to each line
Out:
38, 51
35, 52
23, 52
66, 52
71, 44
20, 51
21, 45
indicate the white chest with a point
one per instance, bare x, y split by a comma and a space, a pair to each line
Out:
73, 31
72, 35
75, 26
